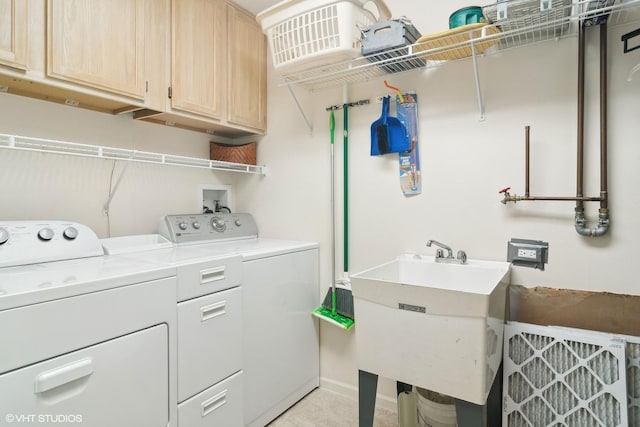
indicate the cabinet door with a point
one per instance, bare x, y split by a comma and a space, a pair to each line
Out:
247, 71
100, 44
198, 74
13, 33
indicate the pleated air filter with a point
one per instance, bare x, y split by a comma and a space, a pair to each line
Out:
632, 351
633, 381
556, 377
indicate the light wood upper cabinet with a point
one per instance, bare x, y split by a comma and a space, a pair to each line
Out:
99, 44
247, 70
218, 69
198, 68
14, 41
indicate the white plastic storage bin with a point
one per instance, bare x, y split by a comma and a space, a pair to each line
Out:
305, 34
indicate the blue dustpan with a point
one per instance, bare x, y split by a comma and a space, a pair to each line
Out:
388, 133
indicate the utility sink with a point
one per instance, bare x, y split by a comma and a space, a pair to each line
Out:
435, 325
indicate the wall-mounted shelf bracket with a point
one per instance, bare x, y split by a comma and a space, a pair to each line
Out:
477, 77
304, 116
107, 205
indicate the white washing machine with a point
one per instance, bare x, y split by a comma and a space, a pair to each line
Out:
261, 292
86, 339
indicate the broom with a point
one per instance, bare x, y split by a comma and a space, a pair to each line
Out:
335, 307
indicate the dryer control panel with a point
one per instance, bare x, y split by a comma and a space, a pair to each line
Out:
31, 242
198, 228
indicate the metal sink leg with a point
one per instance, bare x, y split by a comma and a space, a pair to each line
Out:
472, 415
367, 386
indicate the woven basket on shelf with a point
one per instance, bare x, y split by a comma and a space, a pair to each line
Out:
245, 154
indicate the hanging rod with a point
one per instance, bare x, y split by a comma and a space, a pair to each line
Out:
348, 104
41, 145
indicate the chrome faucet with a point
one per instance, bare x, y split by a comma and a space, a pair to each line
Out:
461, 257
439, 252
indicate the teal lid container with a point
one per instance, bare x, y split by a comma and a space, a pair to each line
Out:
466, 16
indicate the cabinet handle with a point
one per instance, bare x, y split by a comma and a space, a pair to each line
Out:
213, 310
211, 275
63, 375
210, 405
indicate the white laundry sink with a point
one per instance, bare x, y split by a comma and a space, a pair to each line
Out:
434, 325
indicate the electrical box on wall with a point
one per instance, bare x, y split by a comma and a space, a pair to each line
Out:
215, 198
528, 253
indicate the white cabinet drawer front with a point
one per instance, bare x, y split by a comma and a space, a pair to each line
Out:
121, 382
209, 340
208, 277
220, 405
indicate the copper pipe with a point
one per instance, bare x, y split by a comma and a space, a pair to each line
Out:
526, 167
579, 199
516, 198
603, 117
603, 216
580, 154
564, 199
580, 220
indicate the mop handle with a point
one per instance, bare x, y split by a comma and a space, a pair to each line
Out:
346, 188
332, 128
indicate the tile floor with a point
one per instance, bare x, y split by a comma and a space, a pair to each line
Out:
328, 409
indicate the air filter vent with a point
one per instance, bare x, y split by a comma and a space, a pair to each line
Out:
562, 377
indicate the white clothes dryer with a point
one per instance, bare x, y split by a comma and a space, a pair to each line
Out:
86, 339
272, 346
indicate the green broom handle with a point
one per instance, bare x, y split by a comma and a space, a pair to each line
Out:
346, 188
332, 127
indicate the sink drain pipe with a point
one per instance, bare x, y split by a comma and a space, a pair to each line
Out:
602, 226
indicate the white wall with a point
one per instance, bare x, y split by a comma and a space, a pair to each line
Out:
464, 164
50, 186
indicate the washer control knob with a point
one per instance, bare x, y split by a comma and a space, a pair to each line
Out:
183, 226
196, 225
70, 233
238, 222
4, 236
45, 234
218, 224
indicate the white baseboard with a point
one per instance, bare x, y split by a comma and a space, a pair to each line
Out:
351, 392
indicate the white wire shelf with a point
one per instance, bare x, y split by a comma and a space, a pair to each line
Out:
521, 25
40, 145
